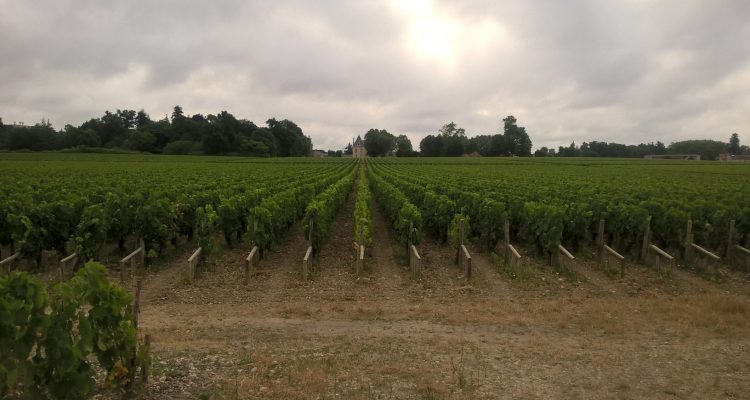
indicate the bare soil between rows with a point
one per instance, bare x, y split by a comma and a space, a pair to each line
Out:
386, 335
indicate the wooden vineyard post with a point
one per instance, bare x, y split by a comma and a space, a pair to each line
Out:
9, 262
310, 233
129, 262
250, 262
69, 260
463, 258
193, 263
415, 261
466, 261
306, 262
360, 248
600, 242
562, 251
658, 255
610, 252
408, 238
255, 235
136, 317
646, 240
506, 242
730, 240
689, 240
460, 240
145, 365
746, 253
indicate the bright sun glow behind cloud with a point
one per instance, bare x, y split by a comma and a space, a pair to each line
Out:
433, 37
429, 36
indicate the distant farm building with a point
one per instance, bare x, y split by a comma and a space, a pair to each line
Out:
358, 149
734, 157
691, 157
319, 153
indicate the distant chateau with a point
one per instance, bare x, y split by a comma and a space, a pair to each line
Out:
358, 149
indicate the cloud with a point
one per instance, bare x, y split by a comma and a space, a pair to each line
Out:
627, 71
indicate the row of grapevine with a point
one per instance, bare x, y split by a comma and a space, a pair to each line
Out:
321, 211
275, 214
362, 211
545, 212
48, 215
397, 207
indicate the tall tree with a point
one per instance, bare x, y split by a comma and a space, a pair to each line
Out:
128, 118
431, 146
517, 141
142, 119
734, 144
451, 129
403, 146
379, 142
291, 141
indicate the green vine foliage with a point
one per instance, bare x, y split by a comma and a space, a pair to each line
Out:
397, 208
322, 210
205, 222
47, 337
91, 232
455, 228
362, 211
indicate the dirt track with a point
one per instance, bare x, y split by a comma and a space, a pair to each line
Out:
386, 335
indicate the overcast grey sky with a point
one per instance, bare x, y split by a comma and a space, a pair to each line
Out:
628, 71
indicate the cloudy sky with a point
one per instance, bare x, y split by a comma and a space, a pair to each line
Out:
616, 70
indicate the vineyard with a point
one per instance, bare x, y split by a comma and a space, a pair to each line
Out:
303, 212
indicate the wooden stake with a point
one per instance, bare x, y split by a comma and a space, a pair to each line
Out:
310, 233
144, 367
408, 237
689, 240
646, 240
306, 262
730, 239
506, 242
600, 242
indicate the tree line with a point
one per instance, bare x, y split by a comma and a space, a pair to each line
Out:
221, 133
707, 149
451, 141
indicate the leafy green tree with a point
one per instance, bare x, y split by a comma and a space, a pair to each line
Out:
141, 141
291, 141
480, 144
451, 129
708, 149
379, 142
517, 140
112, 130
128, 118
498, 146
734, 144
35, 138
180, 147
73, 137
431, 146
453, 146
403, 146
142, 119
267, 139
